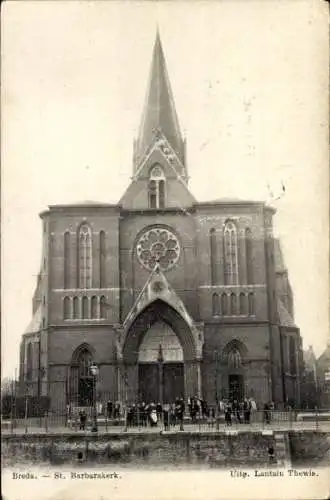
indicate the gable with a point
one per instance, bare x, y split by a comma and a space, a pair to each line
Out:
177, 192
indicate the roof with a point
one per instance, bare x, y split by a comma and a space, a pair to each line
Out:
231, 200
284, 316
324, 358
159, 113
36, 322
309, 356
279, 259
83, 203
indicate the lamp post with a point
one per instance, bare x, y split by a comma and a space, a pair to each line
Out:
160, 360
217, 400
94, 371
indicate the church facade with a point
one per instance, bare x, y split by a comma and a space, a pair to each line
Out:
169, 297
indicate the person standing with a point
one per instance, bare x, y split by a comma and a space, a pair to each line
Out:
159, 411
109, 409
166, 416
83, 418
180, 412
172, 414
246, 411
253, 406
236, 411
266, 413
228, 414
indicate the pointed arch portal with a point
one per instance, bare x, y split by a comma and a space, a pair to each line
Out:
81, 382
159, 356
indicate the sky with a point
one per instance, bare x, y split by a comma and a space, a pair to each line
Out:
250, 83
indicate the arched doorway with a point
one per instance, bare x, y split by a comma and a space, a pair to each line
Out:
81, 381
234, 354
161, 366
235, 376
160, 337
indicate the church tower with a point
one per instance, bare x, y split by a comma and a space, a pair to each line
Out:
160, 177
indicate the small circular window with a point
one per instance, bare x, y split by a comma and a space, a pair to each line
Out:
158, 245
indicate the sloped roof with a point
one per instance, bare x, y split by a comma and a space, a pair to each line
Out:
36, 322
324, 358
284, 316
82, 202
309, 356
231, 201
278, 254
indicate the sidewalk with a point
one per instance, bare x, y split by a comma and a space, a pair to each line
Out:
203, 428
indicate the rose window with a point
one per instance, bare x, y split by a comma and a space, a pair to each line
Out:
158, 245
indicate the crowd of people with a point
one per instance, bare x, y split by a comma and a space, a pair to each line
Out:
171, 414
239, 411
150, 414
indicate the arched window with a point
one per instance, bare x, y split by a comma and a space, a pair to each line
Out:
248, 256
85, 257
85, 314
94, 307
215, 305
233, 304
242, 304
213, 252
156, 188
81, 378
103, 308
102, 259
251, 304
29, 361
234, 359
66, 308
224, 304
67, 263
230, 254
75, 304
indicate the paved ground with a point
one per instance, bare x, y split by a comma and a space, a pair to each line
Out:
254, 427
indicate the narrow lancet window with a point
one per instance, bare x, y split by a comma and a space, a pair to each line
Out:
230, 254
157, 188
215, 305
249, 256
85, 257
213, 251
102, 259
67, 263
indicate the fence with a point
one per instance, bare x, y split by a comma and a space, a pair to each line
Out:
51, 422
25, 410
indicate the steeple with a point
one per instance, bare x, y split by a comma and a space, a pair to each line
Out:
159, 114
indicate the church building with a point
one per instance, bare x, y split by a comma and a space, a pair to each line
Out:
169, 297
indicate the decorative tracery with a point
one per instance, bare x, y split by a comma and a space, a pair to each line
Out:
230, 253
157, 187
85, 256
158, 245
234, 359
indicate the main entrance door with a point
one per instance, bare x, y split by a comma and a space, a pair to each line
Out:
173, 381
148, 382
161, 367
165, 381
236, 387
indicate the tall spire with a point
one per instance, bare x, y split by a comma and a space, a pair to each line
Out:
159, 112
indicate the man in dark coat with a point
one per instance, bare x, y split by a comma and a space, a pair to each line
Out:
166, 416
83, 418
109, 409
